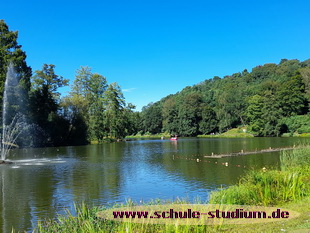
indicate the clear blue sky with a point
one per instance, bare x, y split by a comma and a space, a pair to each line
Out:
155, 48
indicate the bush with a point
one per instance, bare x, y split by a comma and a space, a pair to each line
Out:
298, 123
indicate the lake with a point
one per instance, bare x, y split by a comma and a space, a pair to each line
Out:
43, 182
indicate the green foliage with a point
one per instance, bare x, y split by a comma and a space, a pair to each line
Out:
232, 133
86, 220
100, 106
266, 71
254, 113
189, 114
47, 79
295, 158
269, 99
95, 98
271, 187
208, 123
72, 108
291, 96
272, 113
132, 120
115, 111
305, 74
170, 115
152, 119
297, 123
44, 106
11, 52
259, 99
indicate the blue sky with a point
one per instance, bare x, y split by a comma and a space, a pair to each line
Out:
155, 48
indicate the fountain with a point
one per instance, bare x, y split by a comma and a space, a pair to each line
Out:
12, 121
17, 129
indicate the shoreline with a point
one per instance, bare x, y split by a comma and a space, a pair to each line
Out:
295, 164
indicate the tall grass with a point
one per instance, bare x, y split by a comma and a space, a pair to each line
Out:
299, 157
271, 187
86, 220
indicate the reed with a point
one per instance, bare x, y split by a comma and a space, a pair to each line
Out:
300, 157
86, 220
271, 187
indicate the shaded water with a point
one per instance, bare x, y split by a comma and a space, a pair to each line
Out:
44, 182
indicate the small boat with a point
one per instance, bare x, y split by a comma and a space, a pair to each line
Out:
174, 138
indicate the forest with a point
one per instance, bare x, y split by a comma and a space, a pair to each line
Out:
271, 100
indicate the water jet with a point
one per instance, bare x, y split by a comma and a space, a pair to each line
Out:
12, 121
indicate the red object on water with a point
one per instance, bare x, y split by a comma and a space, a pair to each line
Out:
173, 138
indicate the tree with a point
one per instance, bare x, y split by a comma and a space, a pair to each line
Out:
170, 116
291, 96
208, 123
96, 99
72, 110
259, 73
288, 68
152, 118
46, 78
44, 95
81, 83
305, 74
272, 114
11, 52
190, 114
102, 106
230, 105
44, 101
254, 113
115, 114
131, 120
90, 91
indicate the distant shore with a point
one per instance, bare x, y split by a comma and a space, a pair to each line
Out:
232, 133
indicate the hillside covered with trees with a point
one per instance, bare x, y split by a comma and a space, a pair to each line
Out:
270, 100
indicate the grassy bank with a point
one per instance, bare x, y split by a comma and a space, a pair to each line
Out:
286, 188
149, 136
232, 133
87, 221
302, 135
272, 187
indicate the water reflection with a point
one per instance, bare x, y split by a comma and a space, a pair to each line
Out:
43, 182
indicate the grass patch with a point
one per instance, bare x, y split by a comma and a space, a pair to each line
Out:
232, 133
268, 188
271, 187
303, 135
105, 140
288, 188
87, 221
149, 136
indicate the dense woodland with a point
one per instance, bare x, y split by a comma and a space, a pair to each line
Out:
270, 100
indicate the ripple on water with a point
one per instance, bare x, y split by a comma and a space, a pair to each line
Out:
36, 162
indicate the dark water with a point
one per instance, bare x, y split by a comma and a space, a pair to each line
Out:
53, 179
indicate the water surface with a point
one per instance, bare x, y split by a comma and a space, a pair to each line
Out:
43, 182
